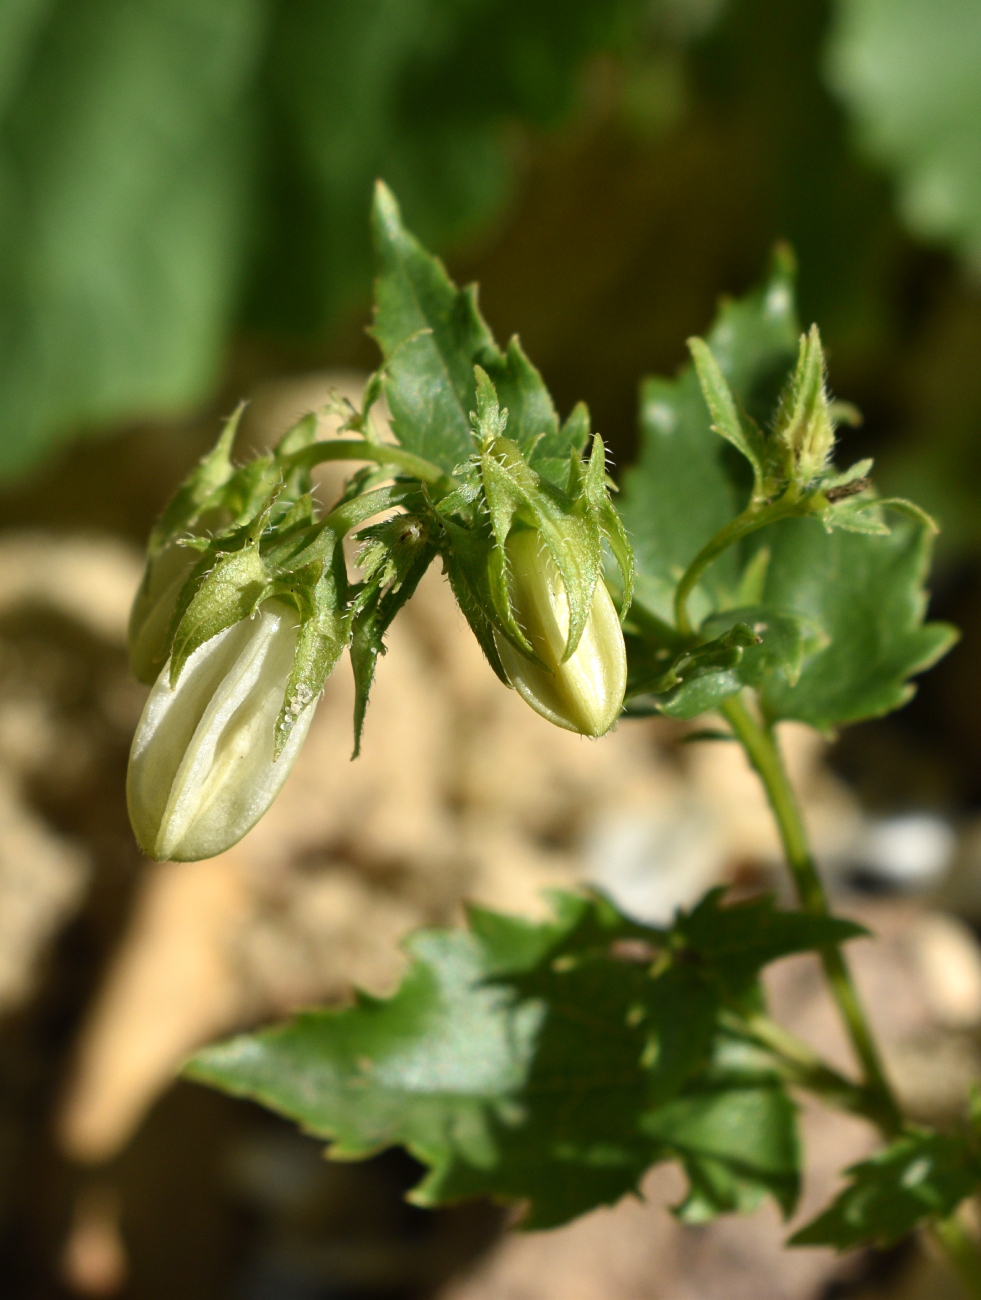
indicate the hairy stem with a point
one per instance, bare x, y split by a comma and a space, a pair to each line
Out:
382, 453
763, 753
875, 1098
801, 1066
752, 518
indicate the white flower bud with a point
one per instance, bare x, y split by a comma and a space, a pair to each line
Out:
202, 769
585, 693
153, 609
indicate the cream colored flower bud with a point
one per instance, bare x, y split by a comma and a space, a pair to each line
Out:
202, 769
585, 693
153, 609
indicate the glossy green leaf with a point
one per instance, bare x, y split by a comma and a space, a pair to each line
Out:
866, 597
920, 1176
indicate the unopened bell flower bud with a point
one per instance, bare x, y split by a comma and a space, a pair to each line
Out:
154, 608
203, 770
585, 693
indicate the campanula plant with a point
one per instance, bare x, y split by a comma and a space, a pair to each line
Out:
748, 572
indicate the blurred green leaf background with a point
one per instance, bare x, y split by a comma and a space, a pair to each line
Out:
179, 181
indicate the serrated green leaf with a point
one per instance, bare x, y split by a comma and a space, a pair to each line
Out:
784, 641
857, 588
737, 1142
866, 595
432, 335
550, 1063
681, 491
736, 940
920, 1176
518, 1100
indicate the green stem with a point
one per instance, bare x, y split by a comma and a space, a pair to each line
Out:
751, 519
383, 453
875, 1099
962, 1253
763, 753
801, 1066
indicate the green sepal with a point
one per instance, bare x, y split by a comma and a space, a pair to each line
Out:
212, 473
550, 455
297, 479
694, 680
298, 436
571, 524
803, 425
727, 420
861, 513
233, 588
466, 561
918, 1177
783, 642
750, 646
252, 491
513, 490
319, 592
847, 478
394, 556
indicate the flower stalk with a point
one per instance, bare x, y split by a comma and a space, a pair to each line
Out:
876, 1098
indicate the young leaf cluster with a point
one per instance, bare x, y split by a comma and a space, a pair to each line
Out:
741, 523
